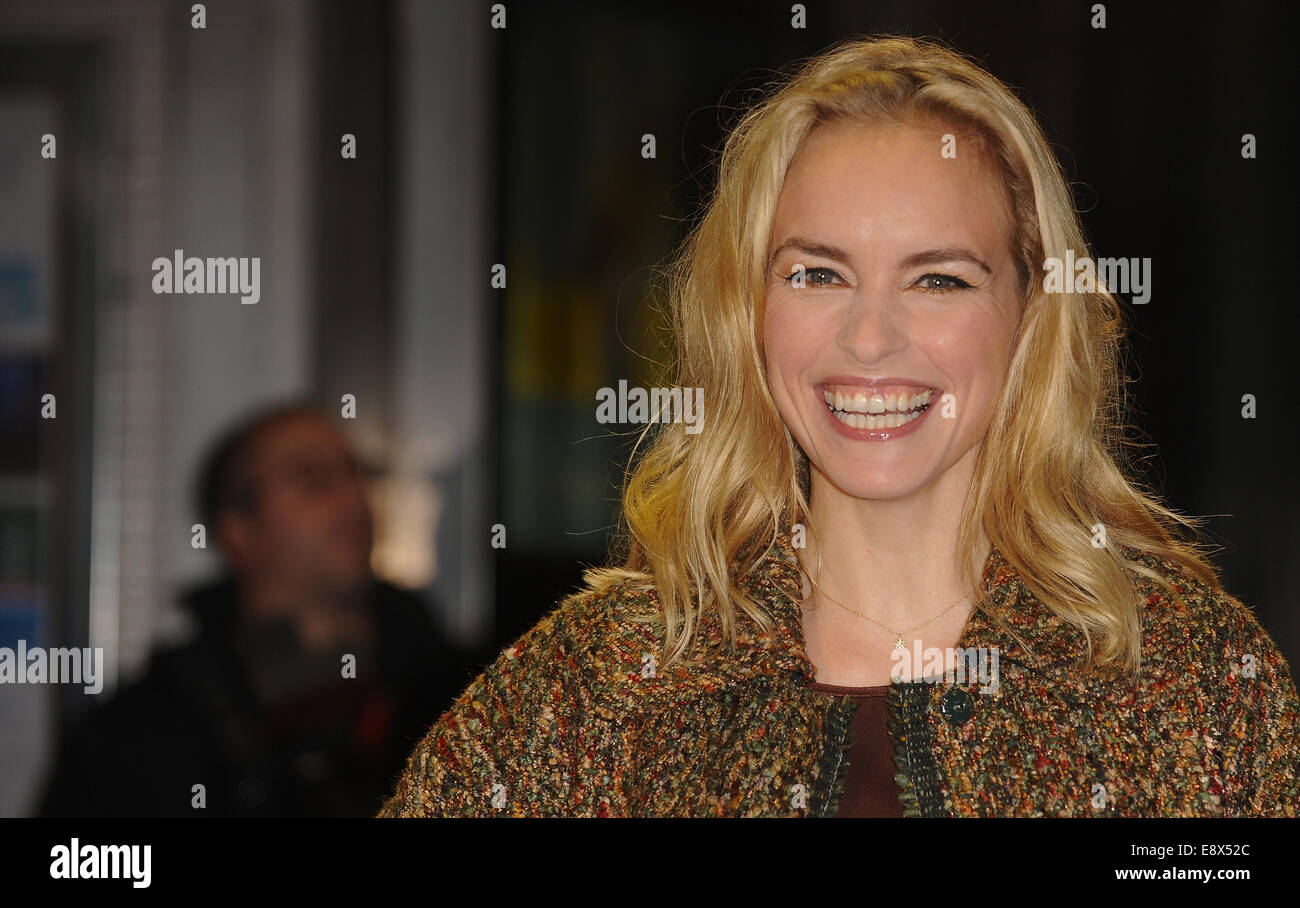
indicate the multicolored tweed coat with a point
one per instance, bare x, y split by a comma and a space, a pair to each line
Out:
569, 722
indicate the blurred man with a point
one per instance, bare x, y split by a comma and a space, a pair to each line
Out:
309, 680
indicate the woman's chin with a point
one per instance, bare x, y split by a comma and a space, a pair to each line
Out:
887, 486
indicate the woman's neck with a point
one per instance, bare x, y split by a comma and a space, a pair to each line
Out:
894, 559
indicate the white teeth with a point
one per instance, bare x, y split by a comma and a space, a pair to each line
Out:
875, 403
873, 422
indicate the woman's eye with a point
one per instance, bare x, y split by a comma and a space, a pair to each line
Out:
809, 278
941, 282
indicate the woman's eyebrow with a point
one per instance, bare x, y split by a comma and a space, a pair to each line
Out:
939, 256
824, 250
836, 254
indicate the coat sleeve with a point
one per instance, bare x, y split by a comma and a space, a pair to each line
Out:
1261, 723
517, 740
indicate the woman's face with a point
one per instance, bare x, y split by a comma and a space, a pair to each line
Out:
887, 363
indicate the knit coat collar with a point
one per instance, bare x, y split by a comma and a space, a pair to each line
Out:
1023, 630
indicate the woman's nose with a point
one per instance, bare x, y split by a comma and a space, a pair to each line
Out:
872, 327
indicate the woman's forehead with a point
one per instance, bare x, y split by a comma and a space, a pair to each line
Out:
889, 184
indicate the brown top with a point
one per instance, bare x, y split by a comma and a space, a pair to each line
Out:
869, 787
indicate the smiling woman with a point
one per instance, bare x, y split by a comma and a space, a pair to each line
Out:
921, 305
900, 416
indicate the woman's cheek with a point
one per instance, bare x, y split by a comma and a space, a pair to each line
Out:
780, 340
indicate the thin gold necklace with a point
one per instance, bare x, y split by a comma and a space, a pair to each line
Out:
900, 643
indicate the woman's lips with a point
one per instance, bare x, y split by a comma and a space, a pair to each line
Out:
869, 412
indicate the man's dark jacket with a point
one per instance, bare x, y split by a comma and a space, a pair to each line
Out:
196, 719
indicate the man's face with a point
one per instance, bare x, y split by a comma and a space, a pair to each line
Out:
310, 529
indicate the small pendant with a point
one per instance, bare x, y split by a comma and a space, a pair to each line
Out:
899, 643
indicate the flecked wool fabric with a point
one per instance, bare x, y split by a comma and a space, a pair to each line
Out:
573, 720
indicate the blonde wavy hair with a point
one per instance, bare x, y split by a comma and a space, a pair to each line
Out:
700, 510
